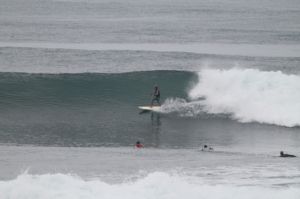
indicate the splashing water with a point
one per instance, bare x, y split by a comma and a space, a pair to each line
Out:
247, 95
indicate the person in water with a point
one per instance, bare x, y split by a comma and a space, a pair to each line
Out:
285, 155
139, 145
206, 148
155, 96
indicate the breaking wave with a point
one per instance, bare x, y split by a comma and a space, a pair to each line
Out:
246, 95
156, 185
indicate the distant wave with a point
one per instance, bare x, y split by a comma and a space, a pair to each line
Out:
156, 185
247, 95
254, 50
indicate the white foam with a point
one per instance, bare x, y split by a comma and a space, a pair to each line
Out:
248, 95
257, 50
157, 185
181, 106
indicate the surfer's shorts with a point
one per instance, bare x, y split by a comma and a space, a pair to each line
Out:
156, 99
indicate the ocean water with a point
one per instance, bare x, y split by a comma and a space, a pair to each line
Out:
73, 72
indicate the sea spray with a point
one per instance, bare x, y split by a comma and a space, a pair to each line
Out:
182, 107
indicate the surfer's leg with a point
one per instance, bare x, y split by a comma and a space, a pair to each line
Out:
152, 102
157, 99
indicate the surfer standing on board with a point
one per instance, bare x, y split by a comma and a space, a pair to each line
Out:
155, 96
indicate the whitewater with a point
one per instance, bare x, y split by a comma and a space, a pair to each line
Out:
247, 95
150, 173
154, 186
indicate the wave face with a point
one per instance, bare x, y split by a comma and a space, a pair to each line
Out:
88, 89
247, 95
101, 109
80, 109
156, 185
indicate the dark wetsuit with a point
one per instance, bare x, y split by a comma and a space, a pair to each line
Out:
156, 96
284, 155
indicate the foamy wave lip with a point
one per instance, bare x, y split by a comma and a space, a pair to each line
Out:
250, 95
154, 186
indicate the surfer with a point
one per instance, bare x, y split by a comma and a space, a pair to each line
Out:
155, 95
139, 145
206, 148
285, 155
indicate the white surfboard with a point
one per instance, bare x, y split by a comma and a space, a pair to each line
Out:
149, 108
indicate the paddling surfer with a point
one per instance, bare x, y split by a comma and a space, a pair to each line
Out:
285, 155
138, 144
